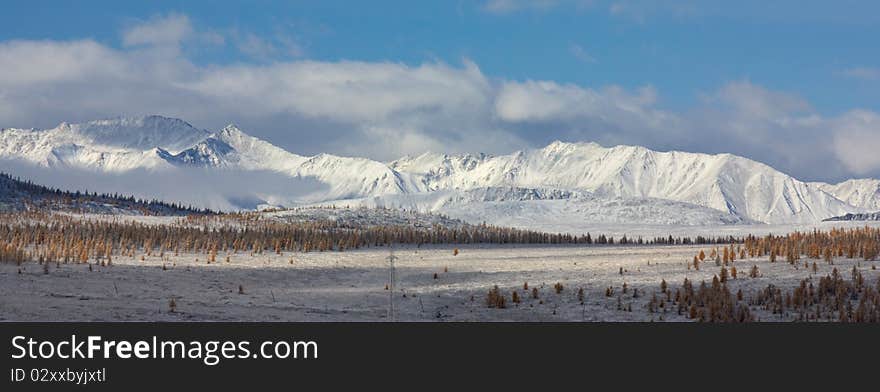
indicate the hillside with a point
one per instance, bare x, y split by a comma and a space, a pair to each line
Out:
19, 195
621, 183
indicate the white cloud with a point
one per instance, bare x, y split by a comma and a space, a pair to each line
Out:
348, 91
25, 63
170, 29
384, 109
756, 101
542, 101
857, 140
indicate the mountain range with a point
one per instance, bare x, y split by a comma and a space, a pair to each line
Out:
560, 182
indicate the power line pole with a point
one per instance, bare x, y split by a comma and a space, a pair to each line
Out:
391, 257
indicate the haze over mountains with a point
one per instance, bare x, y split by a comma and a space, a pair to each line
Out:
560, 182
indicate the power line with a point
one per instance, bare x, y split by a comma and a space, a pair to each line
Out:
391, 257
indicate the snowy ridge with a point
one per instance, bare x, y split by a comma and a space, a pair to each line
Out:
864, 193
748, 189
232, 148
543, 208
564, 180
114, 145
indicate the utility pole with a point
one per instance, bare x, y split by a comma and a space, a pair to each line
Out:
391, 257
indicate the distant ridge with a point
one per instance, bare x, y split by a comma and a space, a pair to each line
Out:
873, 216
747, 190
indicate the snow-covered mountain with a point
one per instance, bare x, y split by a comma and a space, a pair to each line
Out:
232, 148
111, 145
863, 193
583, 181
548, 209
724, 182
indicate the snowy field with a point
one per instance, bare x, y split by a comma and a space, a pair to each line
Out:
350, 286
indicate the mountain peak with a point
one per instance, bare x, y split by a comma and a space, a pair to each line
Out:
559, 145
231, 128
127, 133
728, 183
234, 135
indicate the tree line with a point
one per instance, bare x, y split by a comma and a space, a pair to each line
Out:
34, 197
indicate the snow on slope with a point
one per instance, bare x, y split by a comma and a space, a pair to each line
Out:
544, 209
232, 148
724, 182
114, 145
863, 193
356, 177
732, 185
346, 177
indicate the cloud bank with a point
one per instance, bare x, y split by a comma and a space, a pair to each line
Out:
223, 190
384, 110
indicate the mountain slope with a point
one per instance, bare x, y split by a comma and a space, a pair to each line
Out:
864, 193
232, 148
18, 195
739, 189
545, 209
345, 177
114, 145
724, 182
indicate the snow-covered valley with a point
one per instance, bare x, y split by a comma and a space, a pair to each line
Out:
431, 284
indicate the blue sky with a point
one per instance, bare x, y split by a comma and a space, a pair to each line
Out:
756, 72
682, 48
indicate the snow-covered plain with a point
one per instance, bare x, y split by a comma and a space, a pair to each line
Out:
350, 286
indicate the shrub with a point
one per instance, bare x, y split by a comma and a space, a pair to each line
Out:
754, 273
494, 298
